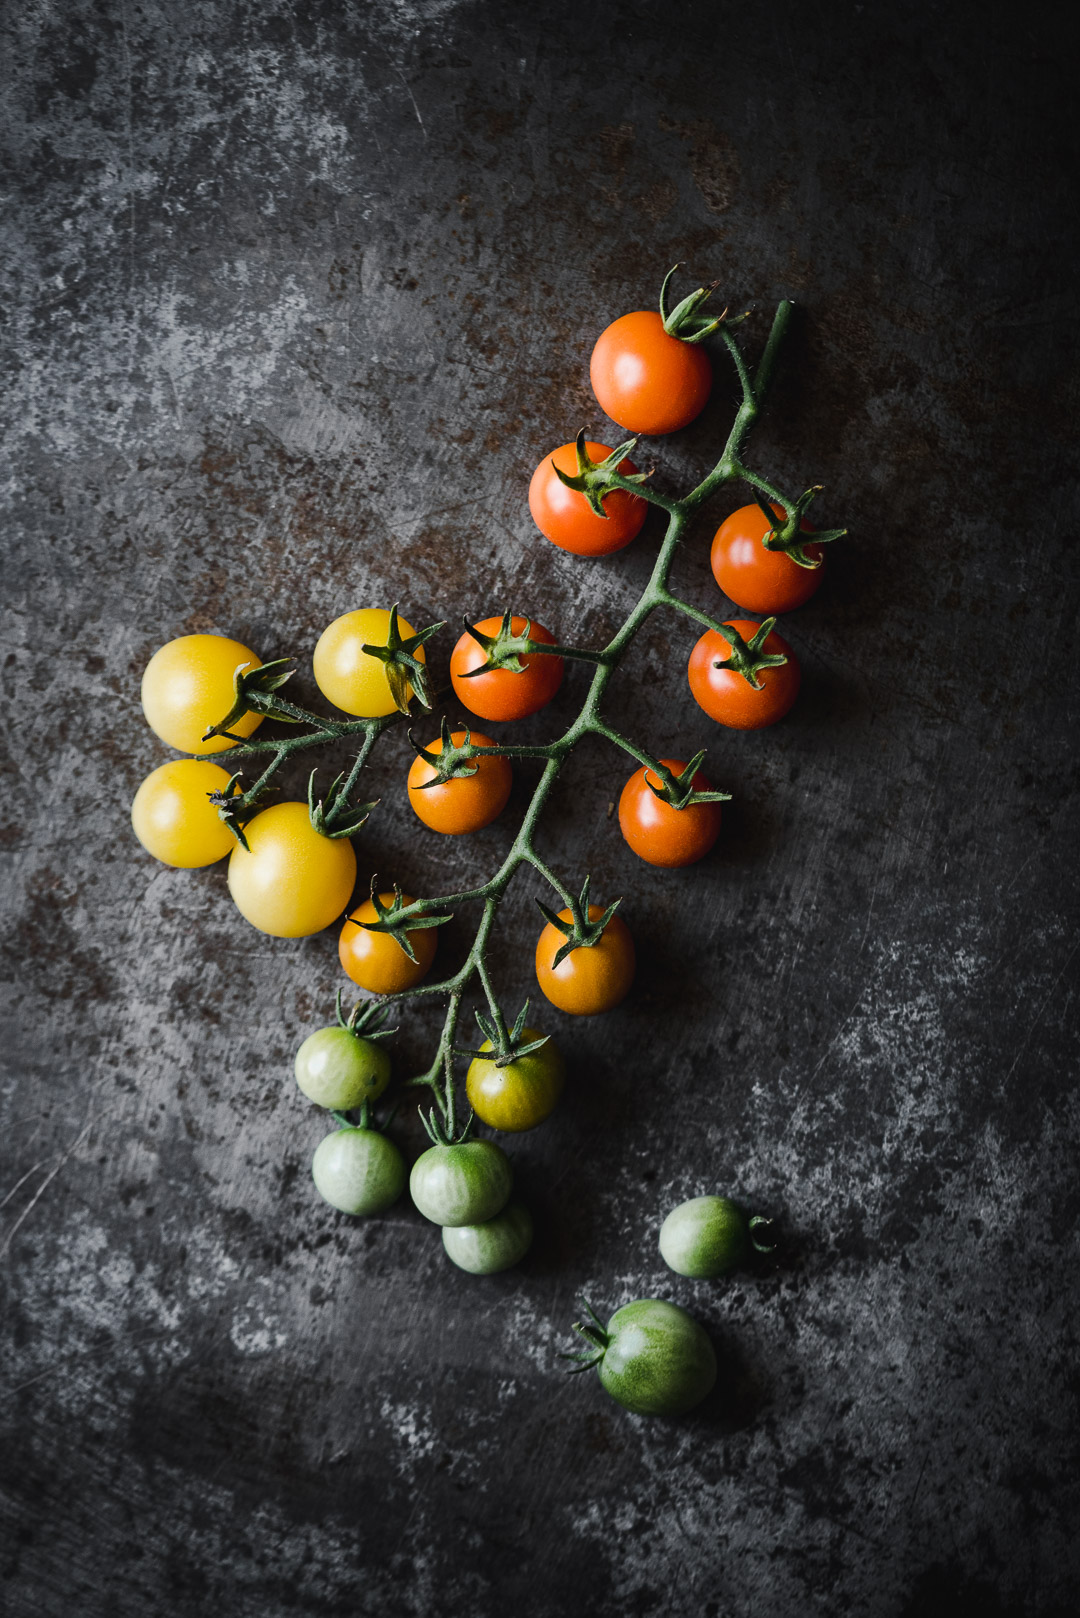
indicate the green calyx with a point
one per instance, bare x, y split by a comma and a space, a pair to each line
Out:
341, 819
453, 760
747, 657
233, 807
579, 931
685, 321
254, 693
365, 1020
441, 1132
503, 650
595, 479
595, 1334
678, 790
406, 675
399, 919
506, 1044
788, 536
759, 1230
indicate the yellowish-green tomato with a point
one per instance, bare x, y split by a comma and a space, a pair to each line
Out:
347, 676
174, 819
521, 1094
290, 880
188, 686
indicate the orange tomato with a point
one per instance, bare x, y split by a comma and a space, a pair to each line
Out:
646, 380
467, 802
587, 980
376, 961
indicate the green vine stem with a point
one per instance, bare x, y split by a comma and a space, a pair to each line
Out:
601, 479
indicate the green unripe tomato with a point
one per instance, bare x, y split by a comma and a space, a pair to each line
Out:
704, 1237
339, 1070
465, 1184
495, 1245
658, 1360
358, 1171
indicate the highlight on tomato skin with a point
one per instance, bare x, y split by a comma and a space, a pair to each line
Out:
290, 881
187, 686
646, 380
660, 834
376, 961
727, 696
173, 818
351, 678
564, 515
757, 579
466, 802
502, 694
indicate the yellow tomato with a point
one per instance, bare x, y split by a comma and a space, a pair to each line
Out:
188, 686
290, 881
174, 819
348, 677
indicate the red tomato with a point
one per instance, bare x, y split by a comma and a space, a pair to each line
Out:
565, 517
501, 693
468, 801
727, 696
591, 979
756, 579
659, 834
645, 380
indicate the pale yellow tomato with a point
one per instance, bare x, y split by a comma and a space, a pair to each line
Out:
290, 881
174, 819
348, 677
188, 686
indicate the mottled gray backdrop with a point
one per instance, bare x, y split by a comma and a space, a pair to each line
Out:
297, 296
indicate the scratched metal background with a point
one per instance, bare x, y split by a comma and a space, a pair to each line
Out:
298, 294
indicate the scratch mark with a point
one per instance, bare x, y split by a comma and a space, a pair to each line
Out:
412, 98
44, 1186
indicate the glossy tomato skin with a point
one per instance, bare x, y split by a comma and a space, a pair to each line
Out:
645, 380
501, 693
704, 1238
756, 579
730, 699
173, 817
467, 802
495, 1245
290, 881
659, 1360
340, 1070
187, 686
350, 678
659, 834
358, 1171
375, 961
565, 517
465, 1184
520, 1095
588, 980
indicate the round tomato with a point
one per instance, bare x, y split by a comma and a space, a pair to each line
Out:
504, 693
174, 819
351, 678
338, 1069
564, 515
520, 1095
659, 834
589, 979
376, 961
727, 696
464, 1184
704, 1237
654, 1358
756, 579
187, 686
646, 380
466, 802
290, 880
495, 1245
358, 1171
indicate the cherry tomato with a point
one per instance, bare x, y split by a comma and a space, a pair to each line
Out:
520, 1095
654, 1358
338, 1069
565, 517
659, 834
464, 1184
645, 380
187, 686
376, 961
174, 819
290, 880
466, 802
347, 676
729, 698
495, 1245
756, 579
358, 1171
502, 693
704, 1237
587, 980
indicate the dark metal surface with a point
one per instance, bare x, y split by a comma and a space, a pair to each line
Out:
299, 294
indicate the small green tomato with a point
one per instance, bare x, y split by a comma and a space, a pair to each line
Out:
339, 1070
495, 1245
652, 1357
358, 1171
708, 1236
464, 1184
